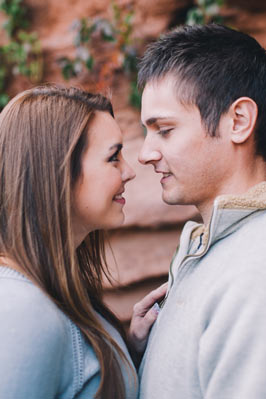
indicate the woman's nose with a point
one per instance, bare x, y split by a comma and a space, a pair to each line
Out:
128, 173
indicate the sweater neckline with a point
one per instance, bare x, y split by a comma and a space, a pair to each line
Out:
6, 271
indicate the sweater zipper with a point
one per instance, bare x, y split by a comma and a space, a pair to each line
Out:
185, 260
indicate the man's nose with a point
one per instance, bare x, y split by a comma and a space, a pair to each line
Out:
148, 152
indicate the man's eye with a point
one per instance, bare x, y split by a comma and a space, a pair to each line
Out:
164, 132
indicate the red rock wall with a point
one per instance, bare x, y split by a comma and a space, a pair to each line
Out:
144, 246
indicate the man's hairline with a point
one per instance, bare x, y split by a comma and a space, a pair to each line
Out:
156, 80
183, 99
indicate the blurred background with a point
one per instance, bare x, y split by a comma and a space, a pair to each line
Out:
95, 45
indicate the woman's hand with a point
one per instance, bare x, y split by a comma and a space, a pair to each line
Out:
144, 315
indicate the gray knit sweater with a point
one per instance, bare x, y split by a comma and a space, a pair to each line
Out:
43, 354
209, 341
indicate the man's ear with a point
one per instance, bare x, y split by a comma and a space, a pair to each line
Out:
243, 114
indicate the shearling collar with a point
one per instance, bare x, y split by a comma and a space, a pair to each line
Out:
254, 198
230, 212
223, 222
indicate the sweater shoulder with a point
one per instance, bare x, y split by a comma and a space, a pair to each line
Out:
22, 300
34, 340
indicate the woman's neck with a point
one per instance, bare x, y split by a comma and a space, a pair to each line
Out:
7, 261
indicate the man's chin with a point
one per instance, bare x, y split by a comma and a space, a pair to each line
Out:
169, 200
173, 198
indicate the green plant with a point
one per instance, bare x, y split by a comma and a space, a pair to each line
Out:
21, 54
17, 15
204, 12
103, 47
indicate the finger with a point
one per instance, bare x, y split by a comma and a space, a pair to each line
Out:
141, 330
153, 296
152, 314
142, 306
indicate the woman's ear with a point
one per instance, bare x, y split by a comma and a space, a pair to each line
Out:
243, 113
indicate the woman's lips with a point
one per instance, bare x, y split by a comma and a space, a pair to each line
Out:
118, 198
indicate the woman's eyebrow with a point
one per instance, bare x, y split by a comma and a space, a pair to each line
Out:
118, 147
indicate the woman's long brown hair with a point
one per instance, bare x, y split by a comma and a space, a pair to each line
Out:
42, 138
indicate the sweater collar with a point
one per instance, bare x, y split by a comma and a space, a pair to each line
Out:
254, 198
228, 213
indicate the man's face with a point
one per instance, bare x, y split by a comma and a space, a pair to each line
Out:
194, 166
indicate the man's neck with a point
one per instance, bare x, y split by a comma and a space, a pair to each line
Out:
205, 209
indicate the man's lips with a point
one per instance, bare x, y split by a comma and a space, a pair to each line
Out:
165, 176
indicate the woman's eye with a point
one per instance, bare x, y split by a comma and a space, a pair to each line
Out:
114, 158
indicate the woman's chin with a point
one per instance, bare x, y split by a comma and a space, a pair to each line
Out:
117, 221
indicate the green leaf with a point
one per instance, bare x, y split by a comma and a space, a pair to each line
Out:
195, 16
116, 11
130, 63
68, 71
135, 95
89, 63
3, 100
107, 37
128, 18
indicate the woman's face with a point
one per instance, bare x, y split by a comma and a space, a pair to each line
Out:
97, 193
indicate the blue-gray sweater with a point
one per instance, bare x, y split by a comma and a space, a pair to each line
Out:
43, 354
209, 341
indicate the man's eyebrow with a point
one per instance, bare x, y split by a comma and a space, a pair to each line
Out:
117, 146
154, 120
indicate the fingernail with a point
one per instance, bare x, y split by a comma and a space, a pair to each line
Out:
156, 308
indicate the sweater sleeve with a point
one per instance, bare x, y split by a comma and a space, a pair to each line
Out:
232, 350
31, 343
